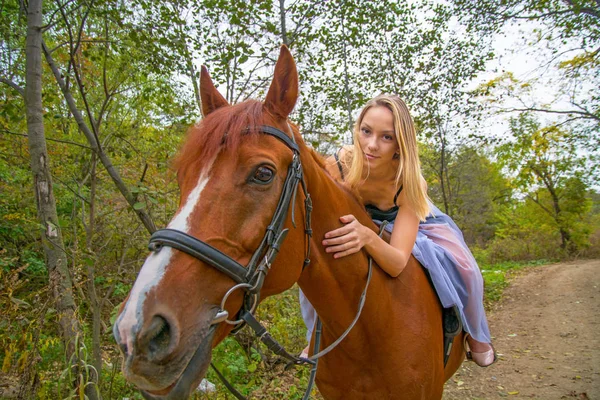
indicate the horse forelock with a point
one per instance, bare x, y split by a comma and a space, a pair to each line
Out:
221, 130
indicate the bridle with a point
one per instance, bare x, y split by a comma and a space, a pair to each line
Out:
251, 278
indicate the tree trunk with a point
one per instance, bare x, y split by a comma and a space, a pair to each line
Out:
56, 260
52, 242
284, 35
92, 293
443, 167
346, 79
565, 236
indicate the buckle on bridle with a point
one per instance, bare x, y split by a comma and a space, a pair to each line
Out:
222, 310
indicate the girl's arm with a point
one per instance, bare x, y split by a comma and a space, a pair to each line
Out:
392, 257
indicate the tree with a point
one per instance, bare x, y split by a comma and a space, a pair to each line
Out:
566, 35
121, 108
477, 192
549, 172
54, 247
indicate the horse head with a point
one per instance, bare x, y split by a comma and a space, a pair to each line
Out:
231, 176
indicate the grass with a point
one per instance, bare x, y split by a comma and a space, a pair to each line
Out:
496, 276
255, 373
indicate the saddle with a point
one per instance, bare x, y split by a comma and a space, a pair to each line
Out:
452, 326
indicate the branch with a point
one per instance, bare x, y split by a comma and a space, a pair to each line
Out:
52, 140
119, 268
50, 25
80, 84
107, 93
14, 86
583, 114
539, 16
536, 201
586, 10
66, 185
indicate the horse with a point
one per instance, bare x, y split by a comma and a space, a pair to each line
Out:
233, 172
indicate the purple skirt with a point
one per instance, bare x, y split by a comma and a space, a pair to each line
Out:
441, 249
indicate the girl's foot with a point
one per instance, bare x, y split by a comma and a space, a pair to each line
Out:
482, 354
484, 359
304, 353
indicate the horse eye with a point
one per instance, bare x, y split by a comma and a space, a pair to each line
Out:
263, 175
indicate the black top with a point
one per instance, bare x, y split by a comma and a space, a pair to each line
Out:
375, 213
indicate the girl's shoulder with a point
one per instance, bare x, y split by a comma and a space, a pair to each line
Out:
401, 197
344, 153
337, 164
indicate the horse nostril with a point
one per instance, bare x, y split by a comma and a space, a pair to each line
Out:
158, 335
123, 347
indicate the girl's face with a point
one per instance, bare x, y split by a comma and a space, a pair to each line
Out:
377, 138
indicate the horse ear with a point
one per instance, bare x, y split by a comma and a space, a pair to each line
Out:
210, 97
283, 91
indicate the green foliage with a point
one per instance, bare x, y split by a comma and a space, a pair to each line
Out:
133, 71
569, 20
246, 362
496, 276
524, 234
552, 175
475, 191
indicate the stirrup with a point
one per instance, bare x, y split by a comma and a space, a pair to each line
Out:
479, 358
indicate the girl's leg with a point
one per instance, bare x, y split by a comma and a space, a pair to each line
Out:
309, 315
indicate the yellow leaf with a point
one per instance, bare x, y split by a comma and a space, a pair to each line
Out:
514, 392
6, 363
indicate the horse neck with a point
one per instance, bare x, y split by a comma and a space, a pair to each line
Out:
333, 286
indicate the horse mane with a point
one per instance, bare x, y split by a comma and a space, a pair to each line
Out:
222, 129
319, 159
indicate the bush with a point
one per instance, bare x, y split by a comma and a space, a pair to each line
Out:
527, 247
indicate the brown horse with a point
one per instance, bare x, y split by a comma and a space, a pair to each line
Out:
231, 177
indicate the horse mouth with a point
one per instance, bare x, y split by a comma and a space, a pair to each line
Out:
191, 375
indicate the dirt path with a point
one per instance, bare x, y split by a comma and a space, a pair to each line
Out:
546, 330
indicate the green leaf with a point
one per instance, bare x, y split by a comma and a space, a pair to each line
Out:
252, 367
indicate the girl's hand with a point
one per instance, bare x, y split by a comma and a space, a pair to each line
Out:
348, 239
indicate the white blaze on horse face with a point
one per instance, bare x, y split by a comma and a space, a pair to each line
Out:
154, 268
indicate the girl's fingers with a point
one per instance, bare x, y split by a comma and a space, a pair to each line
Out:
342, 241
345, 252
347, 218
338, 248
337, 240
344, 230
349, 227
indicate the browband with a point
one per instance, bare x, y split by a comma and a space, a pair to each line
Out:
203, 251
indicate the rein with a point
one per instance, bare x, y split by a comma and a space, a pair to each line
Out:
251, 278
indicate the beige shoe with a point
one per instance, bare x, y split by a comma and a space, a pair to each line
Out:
304, 353
484, 359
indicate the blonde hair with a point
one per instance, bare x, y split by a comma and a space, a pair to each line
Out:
409, 168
